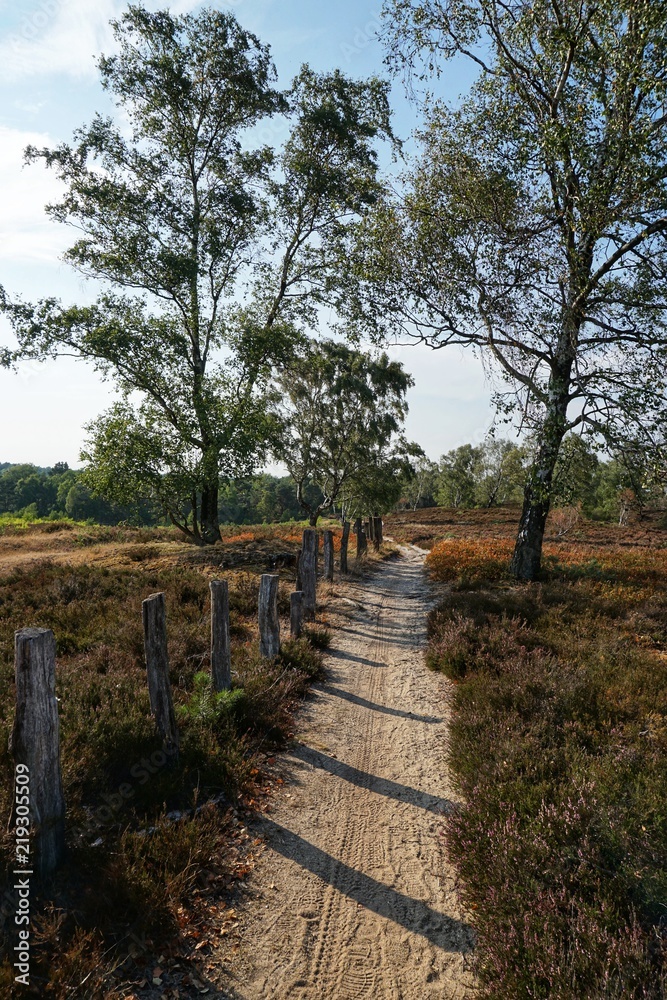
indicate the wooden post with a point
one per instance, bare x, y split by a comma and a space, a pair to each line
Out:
343, 546
154, 610
296, 614
377, 532
35, 745
298, 569
269, 623
370, 529
221, 650
329, 556
361, 537
309, 573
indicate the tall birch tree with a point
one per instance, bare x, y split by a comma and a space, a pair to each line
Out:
533, 226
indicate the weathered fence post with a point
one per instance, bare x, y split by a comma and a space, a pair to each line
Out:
221, 650
35, 745
329, 556
269, 623
309, 573
377, 532
296, 614
370, 531
343, 546
154, 610
361, 537
298, 569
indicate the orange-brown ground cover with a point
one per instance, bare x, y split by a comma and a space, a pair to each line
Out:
559, 744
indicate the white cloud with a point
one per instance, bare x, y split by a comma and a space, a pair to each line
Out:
67, 36
27, 233
58, 36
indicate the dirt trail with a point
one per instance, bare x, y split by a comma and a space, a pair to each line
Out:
353, 895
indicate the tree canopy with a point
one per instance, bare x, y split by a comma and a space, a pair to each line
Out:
340, 427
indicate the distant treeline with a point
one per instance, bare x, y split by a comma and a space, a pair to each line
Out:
485, 475
495, 472
33, 492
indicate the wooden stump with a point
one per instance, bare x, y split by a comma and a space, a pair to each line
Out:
329, 556
309, 573
370, 525
296, 614
377, 532
269, 623
157, 670
35, 745
221, 650
343, 546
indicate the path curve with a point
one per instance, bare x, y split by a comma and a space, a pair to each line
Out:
354, 897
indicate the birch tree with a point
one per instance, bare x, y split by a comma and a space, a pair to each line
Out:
340, 427
532, 227
183, 214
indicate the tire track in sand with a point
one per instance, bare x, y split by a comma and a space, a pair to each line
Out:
364, 903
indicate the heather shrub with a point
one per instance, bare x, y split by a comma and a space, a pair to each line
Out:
559, 746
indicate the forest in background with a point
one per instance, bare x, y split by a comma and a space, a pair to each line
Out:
487, 475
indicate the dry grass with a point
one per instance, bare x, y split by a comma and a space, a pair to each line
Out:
564, 526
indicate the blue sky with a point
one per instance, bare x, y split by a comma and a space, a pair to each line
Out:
48, 87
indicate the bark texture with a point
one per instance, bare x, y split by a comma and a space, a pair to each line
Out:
157, 670
309, 573
221, 650
35, 742
343, 546
269, 623
329, 556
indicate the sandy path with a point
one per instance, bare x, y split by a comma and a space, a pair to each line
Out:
353, 895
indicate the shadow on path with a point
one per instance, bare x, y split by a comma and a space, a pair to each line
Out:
381, 786
348, 696
417, 917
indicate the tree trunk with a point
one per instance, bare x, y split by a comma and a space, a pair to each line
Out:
209, 522
313, 519
377, 532
527, 557
343, 546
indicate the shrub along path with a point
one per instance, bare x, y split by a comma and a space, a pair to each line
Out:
353, 896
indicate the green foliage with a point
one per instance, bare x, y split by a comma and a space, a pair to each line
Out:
339, 428
211, 707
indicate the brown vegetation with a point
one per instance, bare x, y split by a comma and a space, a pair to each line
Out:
154, 850
559, 745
